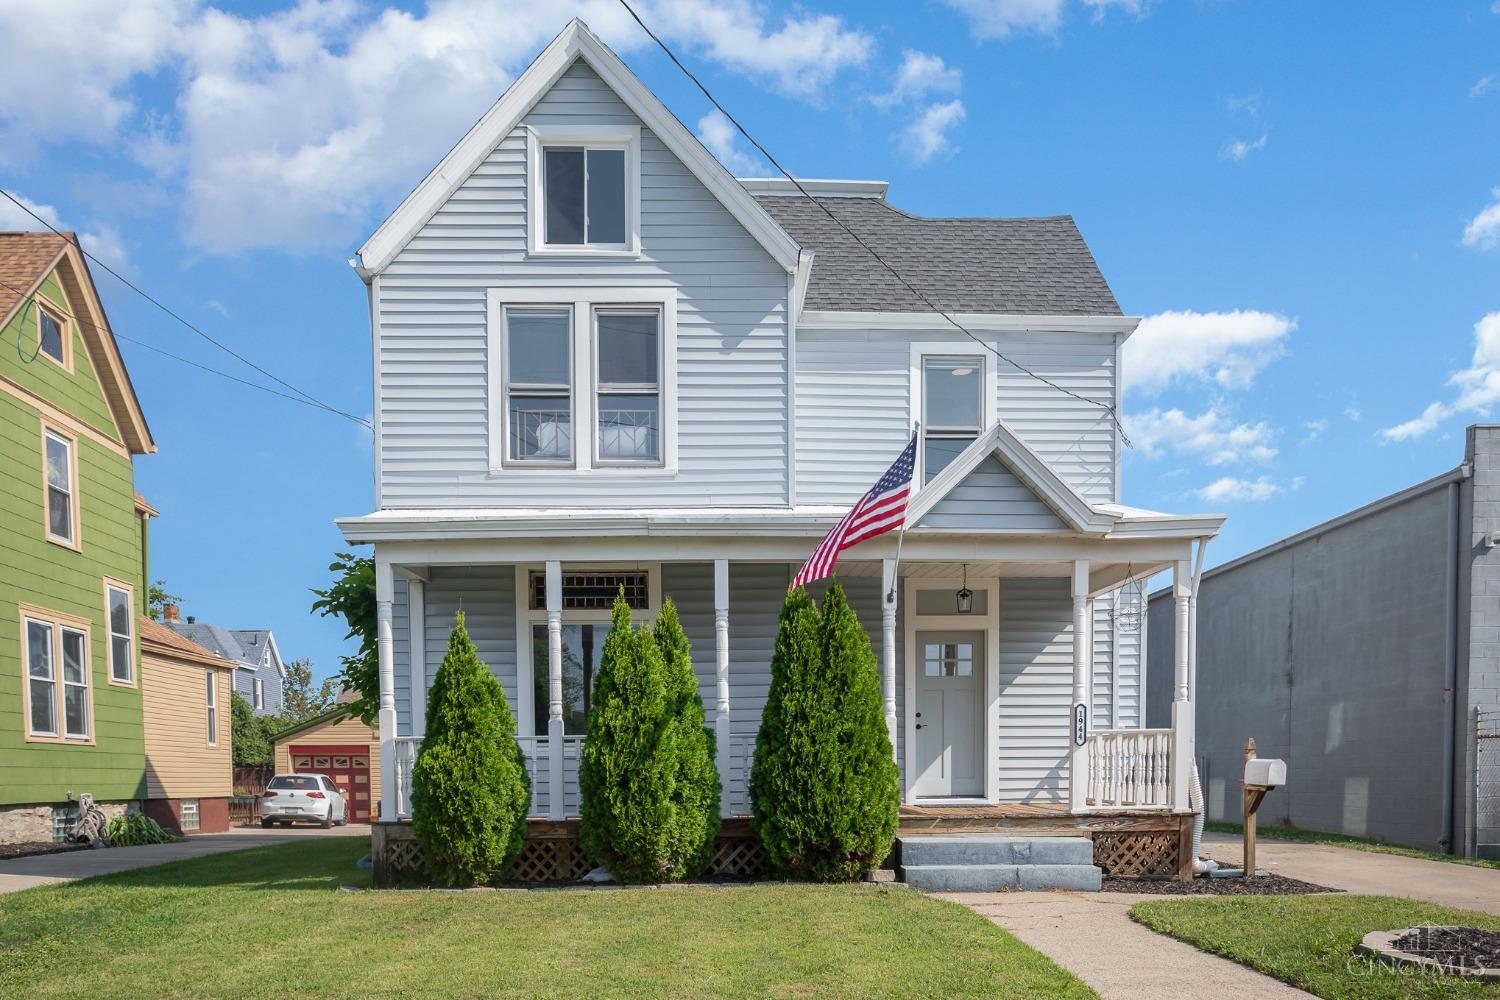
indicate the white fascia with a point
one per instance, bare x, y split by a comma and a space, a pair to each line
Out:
905, 322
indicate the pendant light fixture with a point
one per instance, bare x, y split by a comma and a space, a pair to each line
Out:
965, 595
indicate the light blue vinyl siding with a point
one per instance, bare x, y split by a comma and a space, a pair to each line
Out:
991, 498
1036, 687
731, 337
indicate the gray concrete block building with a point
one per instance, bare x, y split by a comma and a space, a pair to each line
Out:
1366, 652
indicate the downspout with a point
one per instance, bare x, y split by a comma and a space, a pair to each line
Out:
1450, 679
1201, 866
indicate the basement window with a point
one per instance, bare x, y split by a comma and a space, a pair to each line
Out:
189, 817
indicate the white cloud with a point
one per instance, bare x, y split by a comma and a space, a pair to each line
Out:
1247, 103
1483, 231
1313, 429
1211, 436
998, 18
717, 133
292, 129
1226, 348
1482, 86
1478, 386
101, 241
928, 136
1239, 150
1231, 490
920, 74
1354, 413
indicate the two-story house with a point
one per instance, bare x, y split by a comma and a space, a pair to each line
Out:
602, 362
259, 671
72, 546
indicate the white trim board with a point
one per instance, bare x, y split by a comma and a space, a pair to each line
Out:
574, 42
906, 322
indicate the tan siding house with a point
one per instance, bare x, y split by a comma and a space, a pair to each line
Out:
189, 769
339, 745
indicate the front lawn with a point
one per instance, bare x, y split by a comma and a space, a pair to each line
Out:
1308, 941
272, 920
1301, 836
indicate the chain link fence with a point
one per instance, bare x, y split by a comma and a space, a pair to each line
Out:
1487, 783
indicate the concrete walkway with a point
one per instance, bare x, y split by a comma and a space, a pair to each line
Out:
49, 869
1367, 872
1092, 936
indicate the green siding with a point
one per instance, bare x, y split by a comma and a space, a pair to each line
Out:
35, 571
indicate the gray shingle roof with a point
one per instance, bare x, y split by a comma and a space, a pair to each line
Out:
241, 645
1018, 266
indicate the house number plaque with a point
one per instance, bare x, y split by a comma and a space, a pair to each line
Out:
1080, 724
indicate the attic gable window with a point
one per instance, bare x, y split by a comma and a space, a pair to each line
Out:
584, 194
52, 335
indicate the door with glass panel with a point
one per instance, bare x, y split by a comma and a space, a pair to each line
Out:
949, 714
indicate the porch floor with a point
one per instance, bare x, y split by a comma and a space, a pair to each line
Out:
1032, 819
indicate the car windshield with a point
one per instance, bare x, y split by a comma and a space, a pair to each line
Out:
295, 782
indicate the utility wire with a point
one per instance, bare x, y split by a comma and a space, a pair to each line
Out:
31, 301
927, 300
306, 396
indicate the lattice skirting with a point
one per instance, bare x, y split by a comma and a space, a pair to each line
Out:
555, 856
1137, 853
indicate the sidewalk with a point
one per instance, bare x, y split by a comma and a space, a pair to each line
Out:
1092, 936
50, 869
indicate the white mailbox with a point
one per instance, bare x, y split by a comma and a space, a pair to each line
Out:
1265, 772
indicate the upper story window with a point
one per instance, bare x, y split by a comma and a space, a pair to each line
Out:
627, 374
259, 694
211, 693
584, 190
52, 334
953, 409
61, 488
121, 633
539, 385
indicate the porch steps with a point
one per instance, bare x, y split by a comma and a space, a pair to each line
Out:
998, 864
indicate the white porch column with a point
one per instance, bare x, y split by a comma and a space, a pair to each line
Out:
555, 805
888, 582
416, 631
721, 653
385, 653
1184, 734
1083, 642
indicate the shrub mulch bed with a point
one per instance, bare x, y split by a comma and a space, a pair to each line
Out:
1255, 885
31, 848
1461, 947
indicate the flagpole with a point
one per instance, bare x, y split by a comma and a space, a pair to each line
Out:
901, 537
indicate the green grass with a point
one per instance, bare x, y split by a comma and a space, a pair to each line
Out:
1302, 836
265, 921
1308, 941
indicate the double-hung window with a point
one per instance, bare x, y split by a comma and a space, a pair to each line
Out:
627, 366
61, 489
121, 634
57, 679
211, 693
539, 385
259, 693
953, 409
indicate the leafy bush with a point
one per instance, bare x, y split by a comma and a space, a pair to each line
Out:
470, 792
135, 829
647, 778
824, 790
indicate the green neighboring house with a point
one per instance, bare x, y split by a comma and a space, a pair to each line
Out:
72, 546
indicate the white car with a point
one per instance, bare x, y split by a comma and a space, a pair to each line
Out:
304, 798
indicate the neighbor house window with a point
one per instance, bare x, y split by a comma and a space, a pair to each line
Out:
57, 679
121, 632
628, 377
211, 692
189, 817
539, 385
584, 193
953, 409
61, 489
260, 693
52, 335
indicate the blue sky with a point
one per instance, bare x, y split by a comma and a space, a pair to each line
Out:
1302, 199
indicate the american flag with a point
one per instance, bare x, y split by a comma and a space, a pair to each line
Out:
878, 511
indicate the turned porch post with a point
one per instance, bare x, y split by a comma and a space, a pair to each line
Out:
385, 653
888, 581
721, 661
1083, 632
416, 631
555, 803
1183, 730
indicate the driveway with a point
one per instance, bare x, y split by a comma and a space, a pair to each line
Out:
1368, 873
49, 869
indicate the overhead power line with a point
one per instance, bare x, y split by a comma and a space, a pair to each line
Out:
306, 397
923, 296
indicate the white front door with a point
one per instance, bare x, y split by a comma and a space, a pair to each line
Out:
950, 714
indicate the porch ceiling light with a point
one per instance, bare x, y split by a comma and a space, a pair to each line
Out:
965, 595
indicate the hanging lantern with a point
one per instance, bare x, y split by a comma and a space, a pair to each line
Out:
965, 595
1130, 603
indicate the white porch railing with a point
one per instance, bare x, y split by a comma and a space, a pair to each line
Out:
1130, 769
406, 756
741, 757
533, 748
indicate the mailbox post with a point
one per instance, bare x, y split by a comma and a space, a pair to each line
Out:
1261, 775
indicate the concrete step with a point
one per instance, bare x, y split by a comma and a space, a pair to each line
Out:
1001, 878
993, 850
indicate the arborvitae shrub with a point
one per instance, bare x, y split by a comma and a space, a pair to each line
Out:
824, 790
470, 793
647, 780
